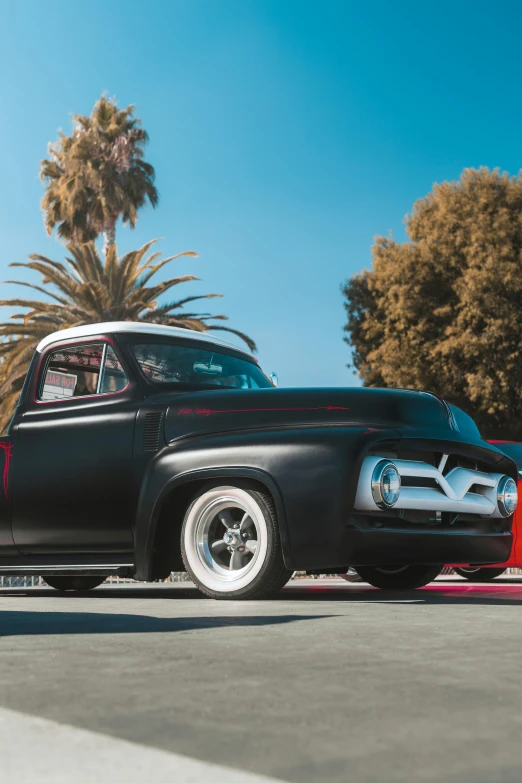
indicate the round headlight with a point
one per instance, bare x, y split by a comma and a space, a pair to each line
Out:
386, 484
507, 496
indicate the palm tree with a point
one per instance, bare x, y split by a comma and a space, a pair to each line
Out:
88, 289
97, 175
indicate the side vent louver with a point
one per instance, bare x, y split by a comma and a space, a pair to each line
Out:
151, 430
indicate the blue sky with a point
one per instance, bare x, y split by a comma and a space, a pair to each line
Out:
285, 136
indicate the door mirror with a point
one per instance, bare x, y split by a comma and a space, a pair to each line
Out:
274, 380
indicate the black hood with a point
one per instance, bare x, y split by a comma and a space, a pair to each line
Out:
409, 412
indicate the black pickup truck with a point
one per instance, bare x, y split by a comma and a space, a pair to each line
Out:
139, 450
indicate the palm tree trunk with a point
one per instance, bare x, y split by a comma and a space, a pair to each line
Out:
109, 237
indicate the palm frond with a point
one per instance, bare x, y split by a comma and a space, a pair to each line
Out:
90, 289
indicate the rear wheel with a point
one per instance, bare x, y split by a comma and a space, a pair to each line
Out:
74, 582
231, 546
479, 574
407, 577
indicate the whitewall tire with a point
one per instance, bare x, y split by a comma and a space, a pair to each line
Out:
230, 543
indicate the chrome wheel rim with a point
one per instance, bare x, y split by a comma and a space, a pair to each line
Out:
469, 570
226, 538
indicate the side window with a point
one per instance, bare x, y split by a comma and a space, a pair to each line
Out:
113, 375
82, 370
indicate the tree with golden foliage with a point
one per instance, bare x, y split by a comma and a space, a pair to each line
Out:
443, 311
89, 288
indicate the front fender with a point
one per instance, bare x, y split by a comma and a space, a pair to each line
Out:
311, 473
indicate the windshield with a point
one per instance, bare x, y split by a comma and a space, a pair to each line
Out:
513, 450
193, 367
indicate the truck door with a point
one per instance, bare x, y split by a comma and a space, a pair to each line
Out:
70, 480
7, 546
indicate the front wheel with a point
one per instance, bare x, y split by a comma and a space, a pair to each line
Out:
74, 582
408, 577
479, 574
231, 546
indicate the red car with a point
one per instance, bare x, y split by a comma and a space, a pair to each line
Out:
486, 573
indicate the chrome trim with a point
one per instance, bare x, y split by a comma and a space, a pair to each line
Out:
37, 568
377, 483
501, 487
461, 490
102, 368
449, 413
442, 463
451, 416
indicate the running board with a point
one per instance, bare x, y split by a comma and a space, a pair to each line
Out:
109, 570
30, 565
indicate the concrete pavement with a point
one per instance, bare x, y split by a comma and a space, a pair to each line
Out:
36, 749
329, 682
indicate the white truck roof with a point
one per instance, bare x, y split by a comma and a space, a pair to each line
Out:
133, 327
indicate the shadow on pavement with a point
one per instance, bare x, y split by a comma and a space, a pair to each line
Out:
14, 623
